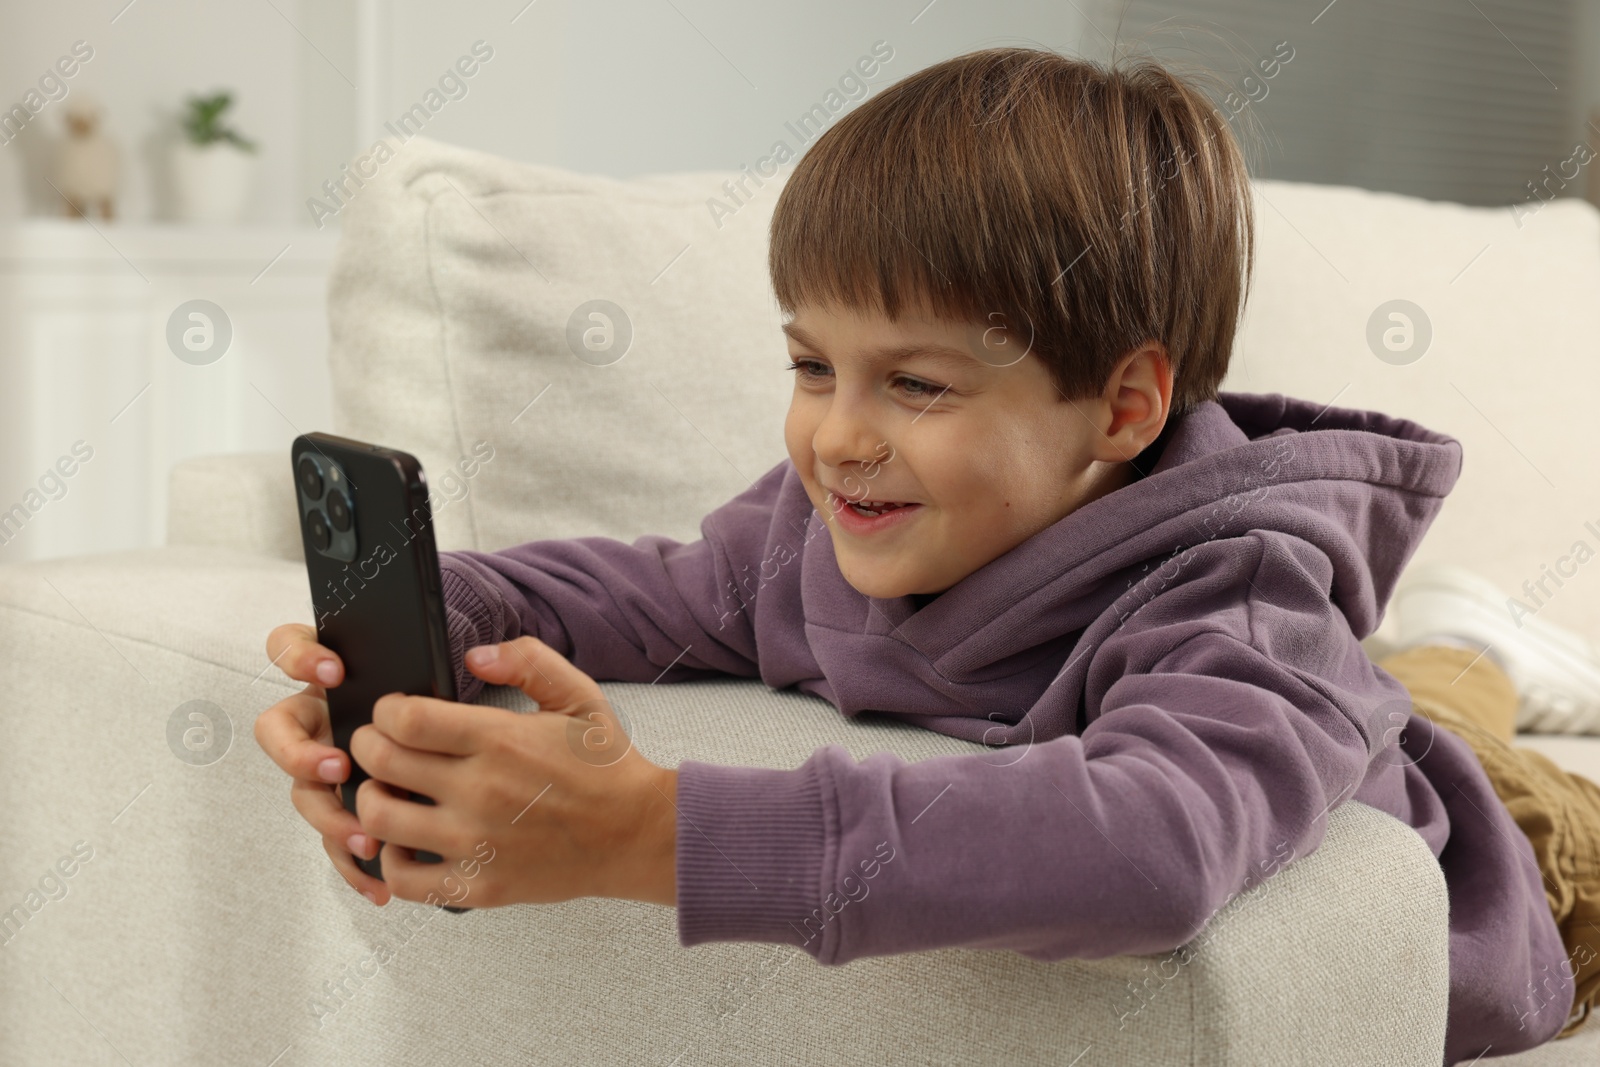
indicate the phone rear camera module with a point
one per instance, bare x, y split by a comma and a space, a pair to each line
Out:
321, 536
338, 510
328, 506
310, 478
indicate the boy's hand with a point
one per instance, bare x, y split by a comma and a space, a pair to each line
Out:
296, 734
528, 808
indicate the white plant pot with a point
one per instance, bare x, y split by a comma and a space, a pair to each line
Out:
211, 182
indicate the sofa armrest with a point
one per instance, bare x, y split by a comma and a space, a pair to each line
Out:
242, 500
1358, 930
208, 897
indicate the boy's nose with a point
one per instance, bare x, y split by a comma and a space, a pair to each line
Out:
848, 437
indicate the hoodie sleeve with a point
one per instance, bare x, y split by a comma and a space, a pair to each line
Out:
618, 611
1224, 723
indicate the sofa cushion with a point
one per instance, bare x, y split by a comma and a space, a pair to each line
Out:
459, 306
238, 500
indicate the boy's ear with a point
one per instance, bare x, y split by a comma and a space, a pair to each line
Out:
1136, 402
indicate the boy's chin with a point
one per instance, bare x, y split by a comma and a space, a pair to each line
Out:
880, 587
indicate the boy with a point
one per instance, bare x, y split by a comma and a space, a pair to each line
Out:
1015, 510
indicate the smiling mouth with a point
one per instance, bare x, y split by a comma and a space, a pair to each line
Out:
870, 508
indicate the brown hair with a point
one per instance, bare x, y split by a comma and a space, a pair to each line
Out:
1103, 207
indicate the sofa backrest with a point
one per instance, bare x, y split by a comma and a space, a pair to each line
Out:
461, 309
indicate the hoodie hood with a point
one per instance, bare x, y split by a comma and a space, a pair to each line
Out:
1356, 489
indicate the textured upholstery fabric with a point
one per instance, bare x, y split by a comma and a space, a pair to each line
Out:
449, 305
244, 501
209, 917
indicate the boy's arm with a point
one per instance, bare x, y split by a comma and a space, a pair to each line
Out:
1211, 762
618, 611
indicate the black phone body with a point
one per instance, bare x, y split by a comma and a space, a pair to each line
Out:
367, 531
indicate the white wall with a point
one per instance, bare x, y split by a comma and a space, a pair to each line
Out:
646, 86
144, 63
622, 87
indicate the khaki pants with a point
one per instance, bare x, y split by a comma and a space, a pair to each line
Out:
1559, 812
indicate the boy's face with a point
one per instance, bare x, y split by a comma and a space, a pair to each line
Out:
963, 423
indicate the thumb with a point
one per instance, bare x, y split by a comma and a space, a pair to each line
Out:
535, 668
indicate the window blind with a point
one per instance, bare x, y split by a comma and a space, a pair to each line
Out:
1463, 100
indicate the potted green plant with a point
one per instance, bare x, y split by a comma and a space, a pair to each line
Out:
213, 163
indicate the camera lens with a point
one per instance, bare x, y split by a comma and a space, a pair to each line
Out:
310, 479
338, 511
321, 536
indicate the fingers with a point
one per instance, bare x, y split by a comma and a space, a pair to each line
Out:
433, 883
294, 733
360, 881
395, 819
294, 648
341, 836
432, 725
320, 806
387, 760
535, 668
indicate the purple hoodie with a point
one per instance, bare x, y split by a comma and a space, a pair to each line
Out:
1180, 659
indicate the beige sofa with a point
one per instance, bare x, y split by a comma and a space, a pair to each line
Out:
207, 925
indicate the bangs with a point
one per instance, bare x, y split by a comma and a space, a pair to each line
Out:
1092, 209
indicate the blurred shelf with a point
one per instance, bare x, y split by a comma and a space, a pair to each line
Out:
50, 246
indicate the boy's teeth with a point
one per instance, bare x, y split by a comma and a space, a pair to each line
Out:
871, 505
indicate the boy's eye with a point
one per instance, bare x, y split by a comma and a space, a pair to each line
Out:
804, 367
910, 386
914, 388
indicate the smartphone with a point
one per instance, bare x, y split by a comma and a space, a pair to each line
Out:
367, 531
